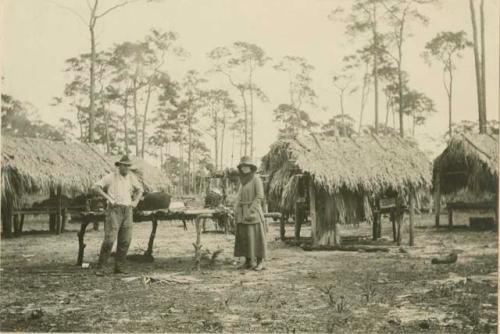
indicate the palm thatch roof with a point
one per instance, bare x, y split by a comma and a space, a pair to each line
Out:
363, 164
470, 161
31, 165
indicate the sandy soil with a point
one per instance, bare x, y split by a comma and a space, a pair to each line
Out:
398, 291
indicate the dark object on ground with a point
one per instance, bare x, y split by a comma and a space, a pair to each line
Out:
448, 259
154, 201
368, 249
482, 223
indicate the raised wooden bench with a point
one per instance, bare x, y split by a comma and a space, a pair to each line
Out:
465, 206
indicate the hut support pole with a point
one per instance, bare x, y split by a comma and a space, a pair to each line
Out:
282, 226
412, 218
298, 221
52, 217
377, 225
17, 229
312, 205
21, 225
399, 221
58, 210
393, 222
437, 197
450, 217
7, 217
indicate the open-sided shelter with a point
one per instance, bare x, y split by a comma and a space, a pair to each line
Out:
470, 163
342, 177
32, 165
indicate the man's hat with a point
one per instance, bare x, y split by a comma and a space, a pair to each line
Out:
124, 161
246, 161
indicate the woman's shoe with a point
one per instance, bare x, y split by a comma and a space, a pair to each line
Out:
259, 267
246, 265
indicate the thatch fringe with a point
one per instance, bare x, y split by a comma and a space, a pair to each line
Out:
32, 165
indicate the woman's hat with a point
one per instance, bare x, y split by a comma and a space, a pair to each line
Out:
246, 161
124, 161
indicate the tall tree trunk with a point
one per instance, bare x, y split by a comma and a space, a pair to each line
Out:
232, 148
413, 125
450, 100
252, 124
145, 118
190, 147
125, 122
136, 117
216, 138
375, 65
181, 153
342, 111
482, 125
222, 143
92, 80
400, 92
387, 109
245, 111
483, 69
106, 127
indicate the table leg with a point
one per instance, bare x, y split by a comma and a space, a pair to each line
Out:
81, 244
197, 245
149, 251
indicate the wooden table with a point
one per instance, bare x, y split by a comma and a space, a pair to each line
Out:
465, 206
196, 215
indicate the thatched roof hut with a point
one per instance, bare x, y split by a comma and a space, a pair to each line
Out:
31, 165
343, 176
469, 162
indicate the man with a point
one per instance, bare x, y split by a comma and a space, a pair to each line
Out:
123, 191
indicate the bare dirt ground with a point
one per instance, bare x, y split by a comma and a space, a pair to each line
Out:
399, 291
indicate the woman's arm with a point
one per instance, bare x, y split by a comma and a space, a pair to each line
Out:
259, 193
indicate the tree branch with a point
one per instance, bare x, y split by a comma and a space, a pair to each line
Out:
114, 7
74, 12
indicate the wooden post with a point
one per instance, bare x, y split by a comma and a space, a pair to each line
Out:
81, 244
64, 220
282, 227
412, 217
374, 225
399, 221
379, 225
52, 217
298, 221
450, 216
7, 210
496, 212
149, 251
58, 210
312, 206
197, 245
16, 223
437, 197
393, 222
22, 223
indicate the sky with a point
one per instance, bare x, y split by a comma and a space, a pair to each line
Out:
37, 37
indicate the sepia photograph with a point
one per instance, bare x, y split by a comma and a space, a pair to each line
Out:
263, 166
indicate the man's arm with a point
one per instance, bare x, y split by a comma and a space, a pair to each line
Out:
137, 192
99, 188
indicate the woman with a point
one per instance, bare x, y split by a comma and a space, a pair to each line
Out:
250, 224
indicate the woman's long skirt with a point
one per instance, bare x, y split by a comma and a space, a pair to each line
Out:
250, 241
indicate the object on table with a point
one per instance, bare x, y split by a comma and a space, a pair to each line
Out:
154, 201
